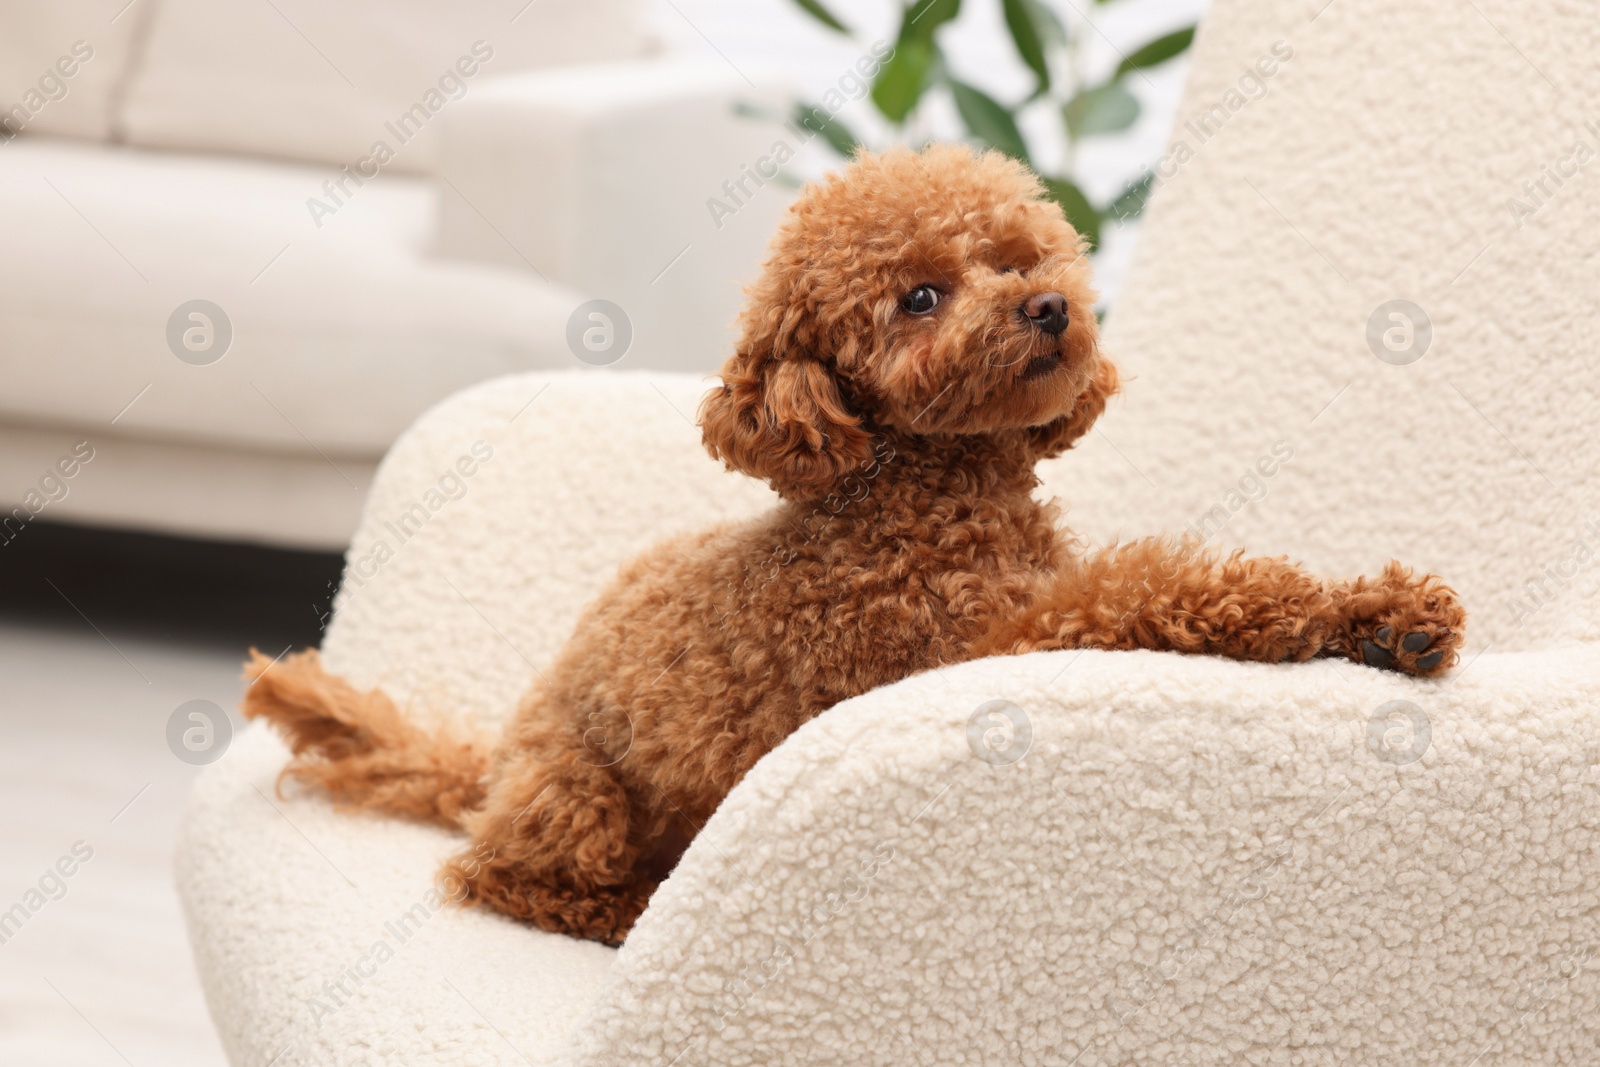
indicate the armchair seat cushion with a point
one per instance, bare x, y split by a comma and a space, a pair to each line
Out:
324, 939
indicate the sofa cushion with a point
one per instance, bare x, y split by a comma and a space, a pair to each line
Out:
341, 335
326, 81
62, 63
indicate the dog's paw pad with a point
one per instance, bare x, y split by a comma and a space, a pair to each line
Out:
1418, 652
1375, 655
1402, 623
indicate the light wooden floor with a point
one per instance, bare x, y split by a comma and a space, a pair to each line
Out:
102, 976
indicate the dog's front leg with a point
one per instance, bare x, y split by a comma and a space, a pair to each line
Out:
1173, 596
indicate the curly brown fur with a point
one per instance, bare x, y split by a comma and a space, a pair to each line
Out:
363, 750
902, 445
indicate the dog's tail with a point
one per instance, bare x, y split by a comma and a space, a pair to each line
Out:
360, 748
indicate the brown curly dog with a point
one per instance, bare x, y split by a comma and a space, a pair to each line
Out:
922, 334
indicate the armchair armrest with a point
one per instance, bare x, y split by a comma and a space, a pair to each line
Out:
1175, 860
599, 177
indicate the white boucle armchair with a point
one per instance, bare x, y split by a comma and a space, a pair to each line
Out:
1096, 858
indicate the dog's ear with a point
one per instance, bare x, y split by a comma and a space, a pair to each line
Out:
786, 421
1054, 438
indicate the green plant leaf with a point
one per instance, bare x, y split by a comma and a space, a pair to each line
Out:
1157, 51
906, 75
1023, 21
746, 110
836, 133
1105, 109
987, 120
822, 15
922, 18
1084, 216
1051, 28
899, 85
1130, 203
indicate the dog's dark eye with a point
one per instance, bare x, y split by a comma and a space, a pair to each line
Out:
921, 300
1008, 270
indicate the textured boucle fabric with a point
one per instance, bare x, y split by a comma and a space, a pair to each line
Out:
584, 471
1188, 861
287, 902
1195, 862
458, 587
1399, 154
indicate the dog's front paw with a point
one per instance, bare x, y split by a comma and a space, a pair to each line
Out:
1403, 623
1427, 650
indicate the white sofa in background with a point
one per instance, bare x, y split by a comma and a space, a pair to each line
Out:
166, 152
1183, 860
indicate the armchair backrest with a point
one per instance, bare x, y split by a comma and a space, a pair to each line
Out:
1362, 318
501, 512
1319, 172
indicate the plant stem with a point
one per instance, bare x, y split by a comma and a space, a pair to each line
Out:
1074, 87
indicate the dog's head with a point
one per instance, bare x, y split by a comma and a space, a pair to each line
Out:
929, 293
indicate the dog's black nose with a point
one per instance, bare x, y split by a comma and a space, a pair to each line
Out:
1048, 311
